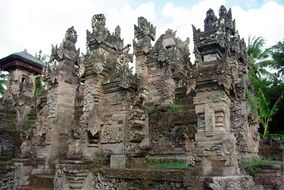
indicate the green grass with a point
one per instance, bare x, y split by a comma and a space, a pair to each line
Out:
253, 165
5, 160
177, 108
167, 165
151, 111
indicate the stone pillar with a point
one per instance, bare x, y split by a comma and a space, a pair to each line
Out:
144, 33
213, 82
19, 93
60, 105
214, 141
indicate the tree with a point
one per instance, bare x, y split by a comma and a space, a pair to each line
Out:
41, 86
40, 56
3, 80
276, 53
267, 86
257, 58
265, 112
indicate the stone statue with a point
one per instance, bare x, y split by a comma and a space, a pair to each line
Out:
74, 146
26, 147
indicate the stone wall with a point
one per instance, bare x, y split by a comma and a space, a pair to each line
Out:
269, 177
100, 130
19, 93
9, 176
124, 179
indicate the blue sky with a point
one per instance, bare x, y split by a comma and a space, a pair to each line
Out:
245, 4
35, 25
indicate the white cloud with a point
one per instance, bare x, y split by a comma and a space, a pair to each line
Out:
35, 25
181, 18
266, 21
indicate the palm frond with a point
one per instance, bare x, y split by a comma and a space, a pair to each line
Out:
264, 111
276, 105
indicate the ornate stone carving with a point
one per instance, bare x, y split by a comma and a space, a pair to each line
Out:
209, 120
99, 34
229, 182
74, 145
144, 33
67, 49
210, 21
59, 180
26, 147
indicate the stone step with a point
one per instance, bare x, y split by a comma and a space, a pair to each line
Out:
77, 173
137, 123
75, 186
44, 181
76, 183
75, 178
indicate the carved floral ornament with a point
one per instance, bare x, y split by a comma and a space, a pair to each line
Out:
67, 49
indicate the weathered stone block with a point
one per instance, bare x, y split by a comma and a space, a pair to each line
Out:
117, 161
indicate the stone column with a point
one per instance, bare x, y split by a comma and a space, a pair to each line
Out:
214, 142
144, 33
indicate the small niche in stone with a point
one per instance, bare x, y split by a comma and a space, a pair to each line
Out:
93, 139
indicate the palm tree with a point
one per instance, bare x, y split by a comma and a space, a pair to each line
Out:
266, 86
258, 58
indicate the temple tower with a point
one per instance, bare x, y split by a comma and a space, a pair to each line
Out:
17, 108
56, 112
220, 59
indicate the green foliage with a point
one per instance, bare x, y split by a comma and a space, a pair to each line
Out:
183, 130
277, 137
157, 164
276, 53
267, 86
265, 113
3, 81
32, 119
258, 58
176, 107
5, 160
255, 46
253, 165
260, 108
40, 56
151, 110
98, 159
98, 162
40, 86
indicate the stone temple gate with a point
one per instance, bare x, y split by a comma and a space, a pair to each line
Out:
171, 125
